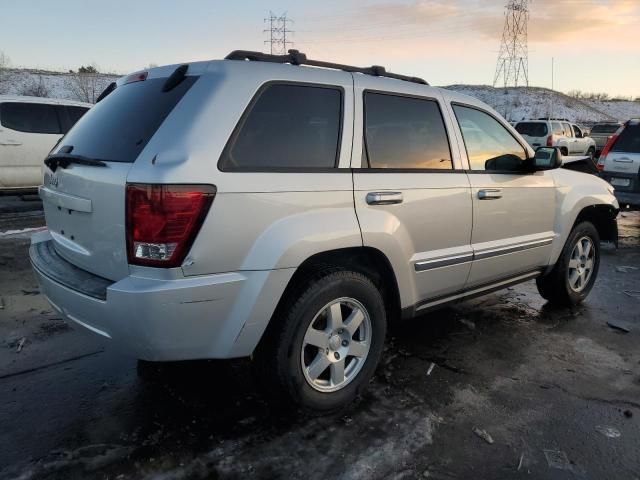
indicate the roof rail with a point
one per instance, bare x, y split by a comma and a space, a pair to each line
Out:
553, 118
294, 57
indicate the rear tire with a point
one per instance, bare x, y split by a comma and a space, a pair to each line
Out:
576, 270
591, 153
564, 151
312, 355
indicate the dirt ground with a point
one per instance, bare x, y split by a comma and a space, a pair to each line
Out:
504, 386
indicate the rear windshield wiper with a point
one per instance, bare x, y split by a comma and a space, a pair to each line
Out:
65, 159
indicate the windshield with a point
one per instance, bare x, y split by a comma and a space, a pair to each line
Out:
119, 127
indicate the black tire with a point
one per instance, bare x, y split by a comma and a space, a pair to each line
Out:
564, 151
278, 357
555, 286
591, 153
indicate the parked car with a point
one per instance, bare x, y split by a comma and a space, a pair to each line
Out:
601, 132
557, 133
620, 163
29, 128
265, 208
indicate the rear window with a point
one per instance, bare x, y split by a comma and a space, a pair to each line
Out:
29, 117
608, 128
288, 127
119, 127
629, 140
75, 113
532, 129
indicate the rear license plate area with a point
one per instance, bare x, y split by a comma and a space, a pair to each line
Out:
620, 182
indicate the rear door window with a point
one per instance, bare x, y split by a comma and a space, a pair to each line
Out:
119, 127
629, 140
30, 117
405, 132
557, 128
287, 127
489, 144
532, 129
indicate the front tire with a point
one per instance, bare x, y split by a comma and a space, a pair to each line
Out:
575, 272
591, 153
325, 343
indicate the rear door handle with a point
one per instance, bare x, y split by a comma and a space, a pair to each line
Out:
623, 160
12, 143
490, 194
384, 198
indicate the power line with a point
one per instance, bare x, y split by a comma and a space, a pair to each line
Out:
513, 59
277, 33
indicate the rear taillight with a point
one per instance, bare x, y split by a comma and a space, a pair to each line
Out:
611, 140
163, 221
550, 141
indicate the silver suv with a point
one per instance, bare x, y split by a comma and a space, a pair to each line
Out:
255, 206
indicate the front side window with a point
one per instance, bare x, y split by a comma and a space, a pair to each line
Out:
29, 117
577, 131
288, 127
405, 132
489, 144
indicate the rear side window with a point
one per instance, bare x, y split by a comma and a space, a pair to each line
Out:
567, 130
288, 127
29, 117
557, 128
629, 140
489, 144
608, 128
119, 127
405, 132
532, 129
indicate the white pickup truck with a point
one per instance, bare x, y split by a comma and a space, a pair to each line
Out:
557, 133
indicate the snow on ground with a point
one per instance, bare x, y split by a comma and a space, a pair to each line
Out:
57, 84
521, 103
513, 103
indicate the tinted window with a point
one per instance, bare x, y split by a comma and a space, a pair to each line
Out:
288, 127
120, 126
402, 132
533, 129
29, 117
489, 145
75, 113
629, 140
608, 128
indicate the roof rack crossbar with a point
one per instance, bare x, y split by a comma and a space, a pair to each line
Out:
294, 57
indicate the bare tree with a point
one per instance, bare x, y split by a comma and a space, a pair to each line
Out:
4, 65
86, 84
35, 88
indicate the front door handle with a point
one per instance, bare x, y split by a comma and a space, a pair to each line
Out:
384, 198
12, 143
490, 194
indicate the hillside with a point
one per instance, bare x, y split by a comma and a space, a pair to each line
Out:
514, 103
522, 103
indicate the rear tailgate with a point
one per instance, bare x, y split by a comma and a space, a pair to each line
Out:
622, 163
535, 133
85, 204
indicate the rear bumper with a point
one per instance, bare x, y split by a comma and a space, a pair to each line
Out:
210, 316
628, 198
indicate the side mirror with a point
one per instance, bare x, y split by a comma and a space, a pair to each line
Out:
547, 158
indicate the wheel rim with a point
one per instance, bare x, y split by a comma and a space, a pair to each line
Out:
581, 264
336, 345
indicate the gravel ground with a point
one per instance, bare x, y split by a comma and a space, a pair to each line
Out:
499, 387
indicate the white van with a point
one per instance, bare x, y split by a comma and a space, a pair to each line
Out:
29, 128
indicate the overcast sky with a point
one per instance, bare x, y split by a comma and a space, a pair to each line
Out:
595, 43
